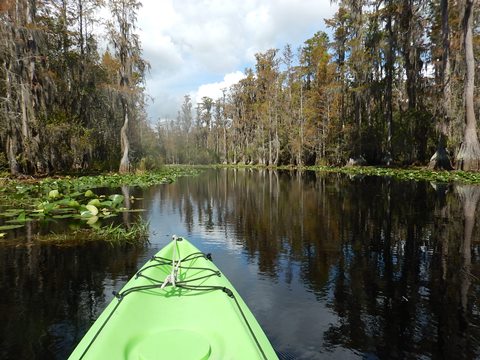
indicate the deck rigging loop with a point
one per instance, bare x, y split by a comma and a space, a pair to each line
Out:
172, 277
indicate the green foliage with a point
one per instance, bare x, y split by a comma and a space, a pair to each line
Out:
461, 177
150, 163
75, 198
361, 92
407, 174
364, 92
136, 233
73, 107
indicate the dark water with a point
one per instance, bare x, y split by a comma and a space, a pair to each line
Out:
331, 266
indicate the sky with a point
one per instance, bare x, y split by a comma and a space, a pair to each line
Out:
198, 47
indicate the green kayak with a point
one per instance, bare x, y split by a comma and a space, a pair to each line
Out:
177, 306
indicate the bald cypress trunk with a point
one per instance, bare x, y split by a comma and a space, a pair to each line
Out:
468, 157
469, 195
124, 162
131, 68
389, 69
441, 160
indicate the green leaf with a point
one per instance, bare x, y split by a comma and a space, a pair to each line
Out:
85, 214
2, 235
53, 194
47, 206
93, 209
89, 193
63, 202
106, 212
10, 227
116, 199
95, 202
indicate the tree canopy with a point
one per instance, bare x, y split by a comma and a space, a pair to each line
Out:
393, 84
63, 100
382, 89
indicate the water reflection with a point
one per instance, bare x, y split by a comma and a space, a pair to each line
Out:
331, 266
51, 295
390, 263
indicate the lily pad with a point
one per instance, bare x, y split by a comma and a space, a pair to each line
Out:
64, 202
106, 212
85, 214
74, 203
53, 194
93, 209
47, 207
95, 202
116, 199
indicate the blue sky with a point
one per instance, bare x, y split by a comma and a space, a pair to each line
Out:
197, 47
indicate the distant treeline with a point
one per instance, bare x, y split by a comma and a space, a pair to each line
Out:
65, 104
394, 85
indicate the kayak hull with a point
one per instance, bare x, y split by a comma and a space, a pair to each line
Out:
201, 317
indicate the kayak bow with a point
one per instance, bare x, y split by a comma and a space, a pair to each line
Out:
177, 306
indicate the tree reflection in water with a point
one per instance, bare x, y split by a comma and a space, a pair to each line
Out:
331, 266
391, 259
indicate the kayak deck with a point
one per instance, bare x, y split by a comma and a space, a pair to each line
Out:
177, 306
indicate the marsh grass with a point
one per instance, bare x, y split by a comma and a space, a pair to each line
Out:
137, 233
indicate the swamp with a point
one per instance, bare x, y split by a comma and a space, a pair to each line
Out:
332, 265
340, 174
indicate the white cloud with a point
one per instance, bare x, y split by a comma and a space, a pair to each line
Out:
214, 90
192, 44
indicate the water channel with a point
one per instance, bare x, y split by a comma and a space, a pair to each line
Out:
332, 266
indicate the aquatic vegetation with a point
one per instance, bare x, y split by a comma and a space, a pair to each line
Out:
21, 191
416, 174
135, 233
74, 198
